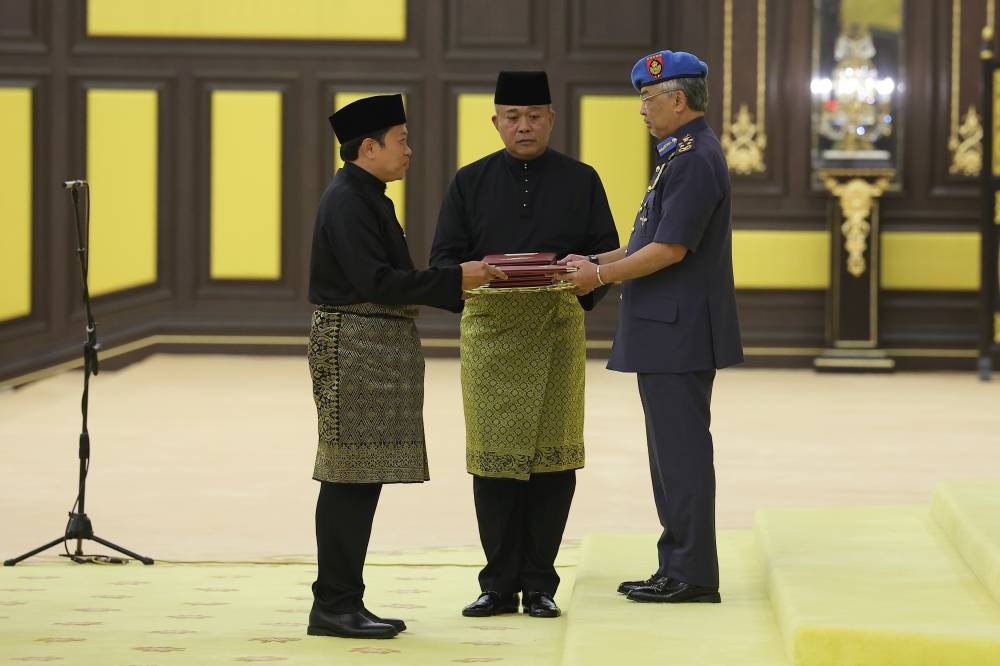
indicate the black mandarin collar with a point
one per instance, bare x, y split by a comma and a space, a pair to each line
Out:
534, 166
364, 179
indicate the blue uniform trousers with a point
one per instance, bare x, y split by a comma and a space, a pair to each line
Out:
678, 416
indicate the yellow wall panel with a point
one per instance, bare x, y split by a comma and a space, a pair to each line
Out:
930, 260
394, 190
246, 185
996, 115
884, 15
122, 171
477, 137
15, 204
383, 20
614, 141
764, 259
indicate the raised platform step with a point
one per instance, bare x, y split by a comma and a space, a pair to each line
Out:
872, 586
605, 628
969, 512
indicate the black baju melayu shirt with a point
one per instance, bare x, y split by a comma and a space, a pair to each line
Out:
502, 204
359, 251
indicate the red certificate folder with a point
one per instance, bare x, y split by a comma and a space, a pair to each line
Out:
520, 259
525, 269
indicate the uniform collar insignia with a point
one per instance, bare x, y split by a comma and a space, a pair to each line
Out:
685, 144
664, 147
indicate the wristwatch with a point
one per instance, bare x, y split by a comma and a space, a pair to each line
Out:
592, 258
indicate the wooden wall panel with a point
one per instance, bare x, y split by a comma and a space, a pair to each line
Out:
454, 48
215, 294
621, 26
18, 19
511, 30
482, 23
23, 26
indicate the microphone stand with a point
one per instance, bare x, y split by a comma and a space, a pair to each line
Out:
79, 526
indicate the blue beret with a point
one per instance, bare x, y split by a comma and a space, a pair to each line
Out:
666, 65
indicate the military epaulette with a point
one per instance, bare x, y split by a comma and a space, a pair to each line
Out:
665, 147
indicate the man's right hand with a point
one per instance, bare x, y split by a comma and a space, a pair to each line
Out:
477, 273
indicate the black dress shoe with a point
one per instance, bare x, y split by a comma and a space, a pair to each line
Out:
399, 625
671, 591
629, 585
540, 604
491, 603
347, 625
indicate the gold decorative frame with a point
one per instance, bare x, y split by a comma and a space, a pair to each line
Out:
966, 139
745, 140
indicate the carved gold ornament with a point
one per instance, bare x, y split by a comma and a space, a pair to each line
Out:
966, 145
857, 197
745, 140
744, 148
966, 138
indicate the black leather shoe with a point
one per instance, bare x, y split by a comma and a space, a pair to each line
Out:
540, 604
491, 603
398, 625
629, 585
671, 591
347, 625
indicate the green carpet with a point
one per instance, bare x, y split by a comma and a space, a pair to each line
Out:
109, 615
859, 586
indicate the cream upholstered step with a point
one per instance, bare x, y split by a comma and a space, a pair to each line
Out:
605, 628
969, 512
874, 586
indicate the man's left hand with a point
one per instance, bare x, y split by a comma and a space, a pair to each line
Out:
585, 277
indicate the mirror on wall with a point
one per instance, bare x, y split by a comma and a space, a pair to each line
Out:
857, 84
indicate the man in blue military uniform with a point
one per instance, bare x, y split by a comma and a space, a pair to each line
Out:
678, 321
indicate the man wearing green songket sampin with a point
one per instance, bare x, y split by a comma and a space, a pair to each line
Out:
523, 353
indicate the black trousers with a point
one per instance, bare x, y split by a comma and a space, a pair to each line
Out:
521, 525
681, 464
344, 515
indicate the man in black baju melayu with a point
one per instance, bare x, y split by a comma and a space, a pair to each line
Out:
523, 354
365, 358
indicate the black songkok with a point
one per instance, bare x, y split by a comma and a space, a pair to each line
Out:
522, 89
367, 115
